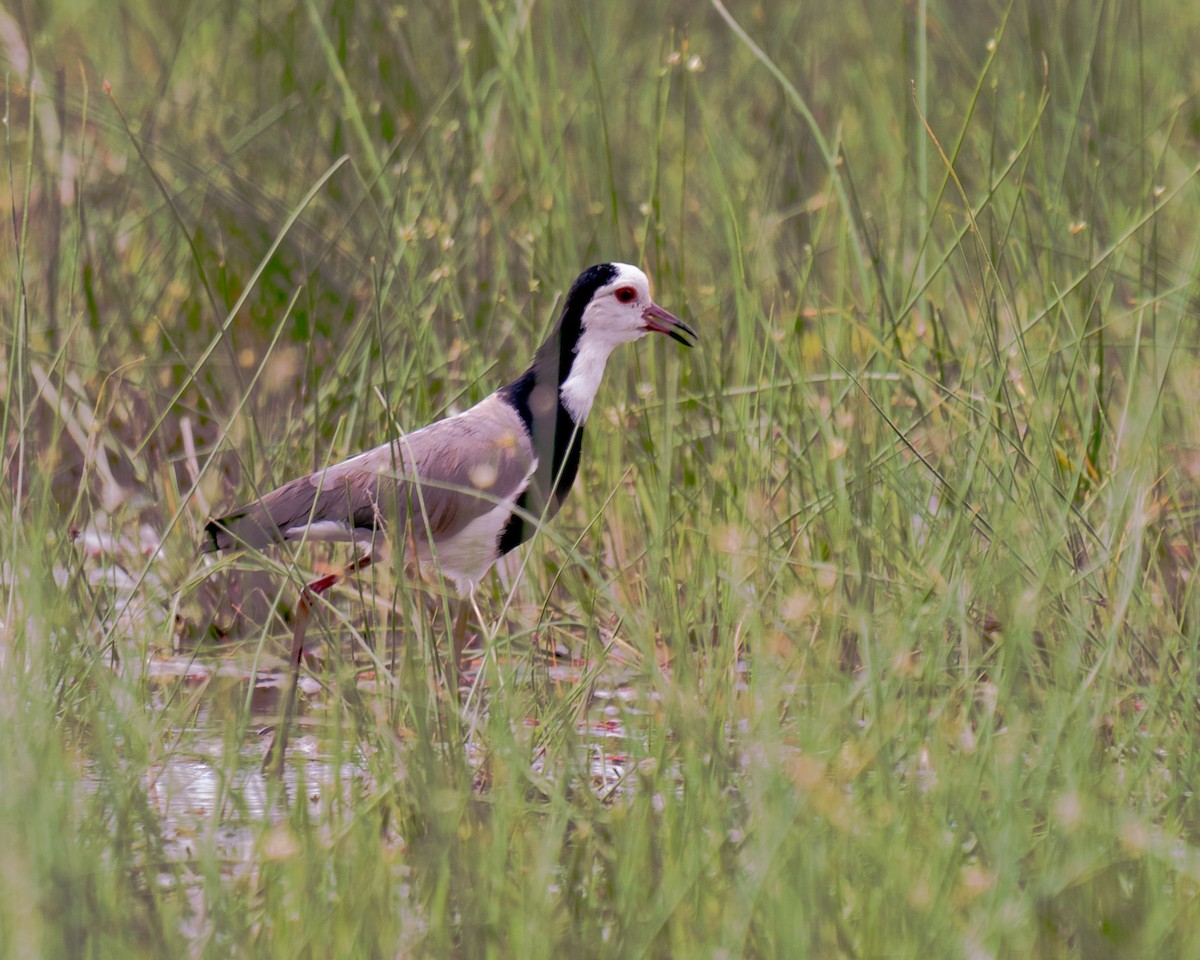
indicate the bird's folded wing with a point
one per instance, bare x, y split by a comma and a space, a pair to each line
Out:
443, 476
454, 471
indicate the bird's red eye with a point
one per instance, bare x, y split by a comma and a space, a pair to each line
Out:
626, 294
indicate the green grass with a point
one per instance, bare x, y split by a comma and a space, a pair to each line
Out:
896, 572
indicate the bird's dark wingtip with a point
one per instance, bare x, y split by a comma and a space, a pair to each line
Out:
217, 536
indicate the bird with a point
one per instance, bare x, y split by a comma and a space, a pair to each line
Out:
461, 492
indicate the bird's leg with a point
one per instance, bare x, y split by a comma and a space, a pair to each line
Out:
459, 640
273, 761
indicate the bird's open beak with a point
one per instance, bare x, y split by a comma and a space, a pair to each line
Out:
660, 321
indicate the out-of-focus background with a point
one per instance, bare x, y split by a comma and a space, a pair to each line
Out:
870, 627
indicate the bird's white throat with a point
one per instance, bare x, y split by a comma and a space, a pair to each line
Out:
579, 389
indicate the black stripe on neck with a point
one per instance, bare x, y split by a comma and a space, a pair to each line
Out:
557, 448
558, 469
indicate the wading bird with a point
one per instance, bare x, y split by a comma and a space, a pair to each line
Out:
460, 493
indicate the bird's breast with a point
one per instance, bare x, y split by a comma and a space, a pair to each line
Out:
469, 553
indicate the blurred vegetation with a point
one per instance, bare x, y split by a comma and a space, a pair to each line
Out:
898, 568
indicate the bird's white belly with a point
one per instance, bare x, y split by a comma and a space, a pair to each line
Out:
470, 553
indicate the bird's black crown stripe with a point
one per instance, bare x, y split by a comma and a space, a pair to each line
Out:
570, 324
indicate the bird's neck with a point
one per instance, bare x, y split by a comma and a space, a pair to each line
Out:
555, 426
578, 389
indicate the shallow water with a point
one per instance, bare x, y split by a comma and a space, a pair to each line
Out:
208, 787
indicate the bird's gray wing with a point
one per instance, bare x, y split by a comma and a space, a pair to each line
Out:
444, 475
319, 506
454, 471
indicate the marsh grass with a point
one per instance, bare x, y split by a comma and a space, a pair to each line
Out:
877, 610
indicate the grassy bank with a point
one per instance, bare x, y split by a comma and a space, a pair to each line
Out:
876, 613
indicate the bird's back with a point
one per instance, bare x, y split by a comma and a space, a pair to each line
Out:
443, 477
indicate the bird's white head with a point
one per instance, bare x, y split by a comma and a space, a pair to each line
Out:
618, 310
622, 310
